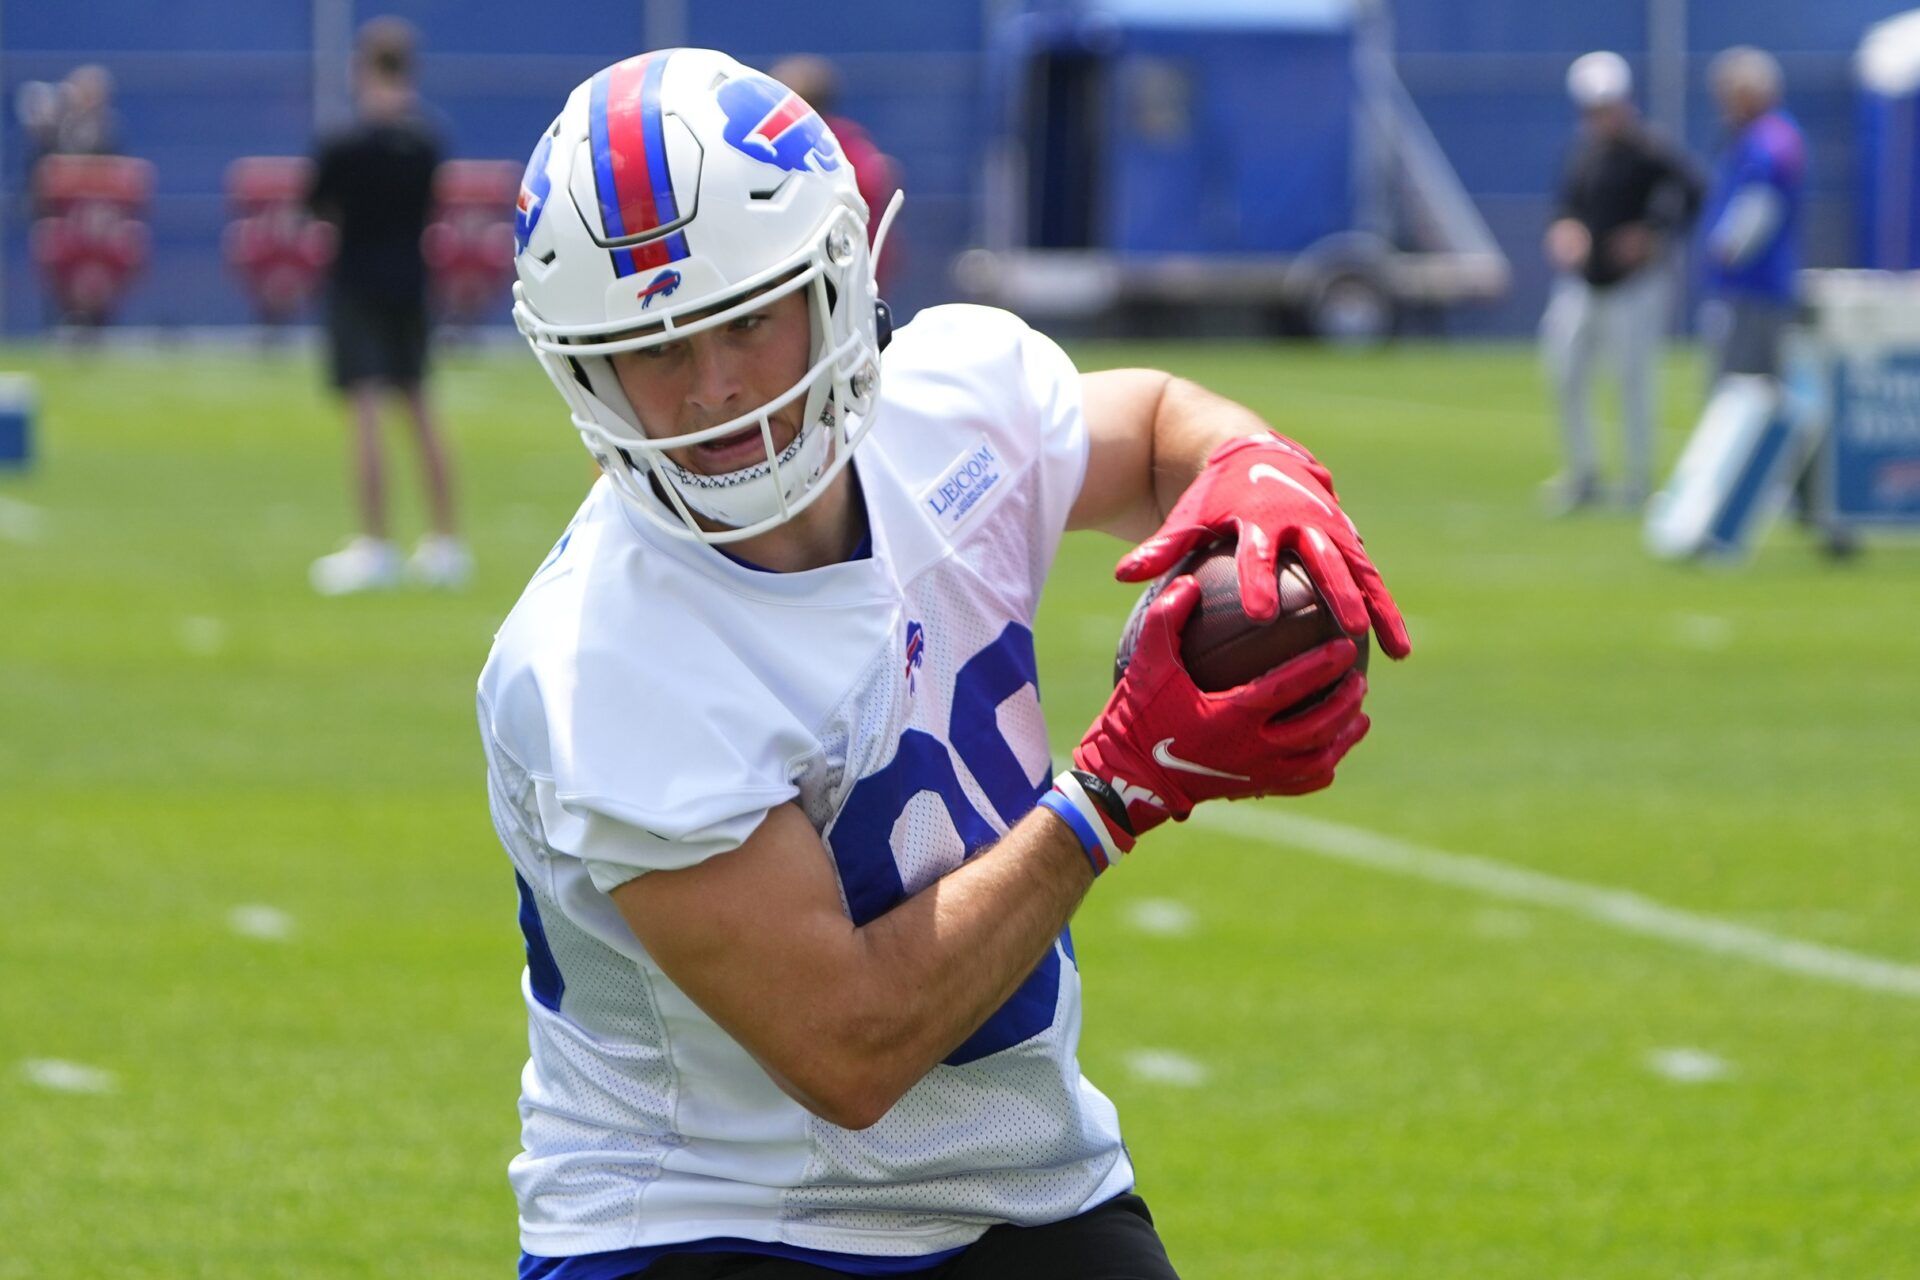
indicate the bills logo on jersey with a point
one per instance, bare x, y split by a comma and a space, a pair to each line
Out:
662, 286
771, 123
534, 188
916, 650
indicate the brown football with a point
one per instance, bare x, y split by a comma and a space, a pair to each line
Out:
1222, 647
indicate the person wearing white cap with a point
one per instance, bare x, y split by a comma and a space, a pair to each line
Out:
1625, 196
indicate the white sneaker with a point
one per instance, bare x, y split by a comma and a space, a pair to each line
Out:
441, 561
365, 564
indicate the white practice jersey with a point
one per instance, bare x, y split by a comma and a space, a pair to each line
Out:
649, 700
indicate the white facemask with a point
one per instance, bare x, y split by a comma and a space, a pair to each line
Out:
743, 498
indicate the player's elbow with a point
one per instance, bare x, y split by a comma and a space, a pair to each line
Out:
856, 1109
852, 1076
849, 1095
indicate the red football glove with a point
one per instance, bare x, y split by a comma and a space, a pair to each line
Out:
1272, 495
1166, 745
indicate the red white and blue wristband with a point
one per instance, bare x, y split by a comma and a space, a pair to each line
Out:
1094, 813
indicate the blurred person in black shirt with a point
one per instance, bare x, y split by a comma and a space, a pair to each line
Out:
374, 181
1625, 199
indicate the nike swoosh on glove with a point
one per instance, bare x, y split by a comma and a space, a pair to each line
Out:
1271, 495
1166, 745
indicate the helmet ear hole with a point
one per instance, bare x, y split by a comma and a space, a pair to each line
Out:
882, 323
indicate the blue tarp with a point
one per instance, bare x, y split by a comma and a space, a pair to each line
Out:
1266, 165
1209, 140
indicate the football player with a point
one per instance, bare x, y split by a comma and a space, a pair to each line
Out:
763, 734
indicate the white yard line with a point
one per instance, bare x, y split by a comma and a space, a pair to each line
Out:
260, 921
1688, 1066
1617, 908
1164, 1066
1161, 917
1702, 631
202, 636
20, 521
62, 1076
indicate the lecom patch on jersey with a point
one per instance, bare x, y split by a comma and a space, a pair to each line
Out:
962, 484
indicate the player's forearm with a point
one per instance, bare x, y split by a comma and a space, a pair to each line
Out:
1149, 435
933, 969
845, 1019
1748, 225
1190, 423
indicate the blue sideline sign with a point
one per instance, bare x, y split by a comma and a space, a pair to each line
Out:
1871, 465
17, 400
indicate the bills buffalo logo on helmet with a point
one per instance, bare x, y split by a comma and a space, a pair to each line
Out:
662, 286
534, 188
770, 122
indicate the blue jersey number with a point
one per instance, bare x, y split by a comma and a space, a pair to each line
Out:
862, 839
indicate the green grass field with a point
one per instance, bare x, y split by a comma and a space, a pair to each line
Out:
1377, 1076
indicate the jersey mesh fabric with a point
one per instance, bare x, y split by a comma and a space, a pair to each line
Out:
597, 1078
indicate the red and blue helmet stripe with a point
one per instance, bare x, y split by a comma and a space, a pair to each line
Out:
630, 173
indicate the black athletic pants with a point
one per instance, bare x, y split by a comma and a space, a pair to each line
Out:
1115, 1241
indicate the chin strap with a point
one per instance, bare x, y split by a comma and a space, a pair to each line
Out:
880, 236
882, 313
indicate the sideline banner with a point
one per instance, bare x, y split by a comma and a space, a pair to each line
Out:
1870, 468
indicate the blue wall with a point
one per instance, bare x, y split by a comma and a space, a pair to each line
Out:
203, 81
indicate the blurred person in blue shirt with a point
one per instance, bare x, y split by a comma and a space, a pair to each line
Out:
1752, 225
1751, 237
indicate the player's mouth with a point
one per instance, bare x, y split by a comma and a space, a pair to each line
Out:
744, 448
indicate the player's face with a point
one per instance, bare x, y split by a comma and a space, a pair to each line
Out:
1609, 120
1739, 105
717, 375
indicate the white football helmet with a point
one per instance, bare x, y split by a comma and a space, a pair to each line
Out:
677, 192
